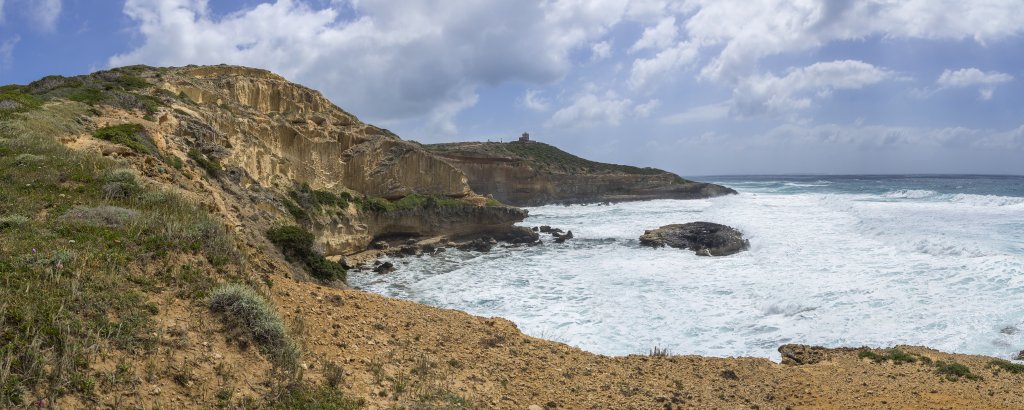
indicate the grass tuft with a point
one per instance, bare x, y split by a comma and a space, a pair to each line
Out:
247, 310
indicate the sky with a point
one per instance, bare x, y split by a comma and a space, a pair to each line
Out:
697, 87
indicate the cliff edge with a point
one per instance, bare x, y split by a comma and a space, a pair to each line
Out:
530, 173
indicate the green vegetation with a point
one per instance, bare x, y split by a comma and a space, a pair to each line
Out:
297, 246
1007, 366
133, 136
955, 371
75, 281
210, 165
894, 355
14, 100
246, 311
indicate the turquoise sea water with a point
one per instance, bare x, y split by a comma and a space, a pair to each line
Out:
834, 261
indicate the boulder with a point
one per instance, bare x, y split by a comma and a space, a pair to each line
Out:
704, 238
386, 267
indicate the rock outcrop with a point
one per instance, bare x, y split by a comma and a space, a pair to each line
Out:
534, 173
704, 238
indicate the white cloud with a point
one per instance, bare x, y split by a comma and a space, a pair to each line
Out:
657, 37
710, 112
735, 35
970, 77
7, 51
646, 71
1, 11
591, 110
421, 60
533, 101
644, 110
600, 51
767, 93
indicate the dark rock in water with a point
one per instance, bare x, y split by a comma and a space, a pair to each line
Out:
1009, 330
704, 238
428, 249
386, 267
1020, 356
344, 264
518, 235
548, 229
380, 245
561, 238
478, 245
535, 229
408, 250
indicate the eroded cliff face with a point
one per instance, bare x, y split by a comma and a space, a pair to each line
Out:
529, 174
277, 130
243, 141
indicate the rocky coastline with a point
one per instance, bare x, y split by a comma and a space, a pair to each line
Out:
202, 163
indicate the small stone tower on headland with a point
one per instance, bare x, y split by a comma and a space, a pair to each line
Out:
525, 137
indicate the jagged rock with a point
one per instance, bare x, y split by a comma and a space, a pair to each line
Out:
428, 249
408, 250
794, 354
386, 267
535, 229
478, 245
704, 238
515, 235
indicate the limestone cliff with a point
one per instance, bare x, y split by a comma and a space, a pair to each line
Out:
533, 173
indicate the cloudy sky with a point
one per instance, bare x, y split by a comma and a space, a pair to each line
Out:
698, 87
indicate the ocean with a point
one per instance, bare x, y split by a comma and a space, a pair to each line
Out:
834, 261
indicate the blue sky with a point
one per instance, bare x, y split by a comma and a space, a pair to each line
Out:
698, 87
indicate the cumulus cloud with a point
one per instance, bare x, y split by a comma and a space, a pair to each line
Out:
533, 101
645, 71
600, 51
768, 93
971, 77
592, 110
737, 35
658, 37
421, 60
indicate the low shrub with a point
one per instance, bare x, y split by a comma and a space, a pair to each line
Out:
130, 135
1007, 366
12, 221
121, 184
101, 216
210, 165
297, 246
245, 309
955, 371
895, 355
